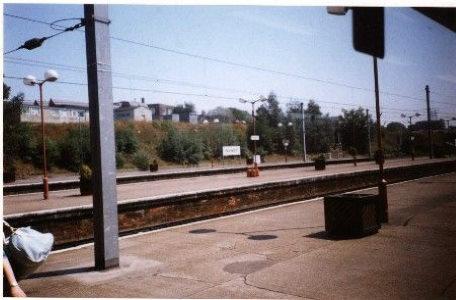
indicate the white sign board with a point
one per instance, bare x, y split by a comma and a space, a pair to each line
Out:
257, 159
255, 137
231, 150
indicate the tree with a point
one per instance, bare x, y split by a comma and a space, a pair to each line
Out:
188, 107
319, 129
240, 115
268, 116
11, 127
353, 128
6, 91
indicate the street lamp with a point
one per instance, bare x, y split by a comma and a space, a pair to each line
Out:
285, 142
261, 99
51, 76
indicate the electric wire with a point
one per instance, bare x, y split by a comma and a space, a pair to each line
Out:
158, 80
211, 96
222, 61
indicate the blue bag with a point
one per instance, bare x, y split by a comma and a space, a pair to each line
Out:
26, 249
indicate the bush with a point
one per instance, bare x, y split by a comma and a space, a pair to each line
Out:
126, 140
52, 154
75, 149
181, 148
120, 161
141, 160
85, 180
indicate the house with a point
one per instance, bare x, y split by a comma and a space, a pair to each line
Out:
132, 111
55, 111
161, 111
188, 118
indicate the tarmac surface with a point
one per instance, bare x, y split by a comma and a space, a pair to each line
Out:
278, 252
23, 203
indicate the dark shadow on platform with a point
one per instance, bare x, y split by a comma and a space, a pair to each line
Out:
62, 272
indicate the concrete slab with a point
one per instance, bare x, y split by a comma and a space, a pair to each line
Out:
280, 252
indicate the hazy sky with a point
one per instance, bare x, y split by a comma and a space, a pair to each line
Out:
302, 41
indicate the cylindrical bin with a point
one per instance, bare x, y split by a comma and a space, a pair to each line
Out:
352, 215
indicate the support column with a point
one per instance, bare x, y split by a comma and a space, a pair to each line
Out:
106, 232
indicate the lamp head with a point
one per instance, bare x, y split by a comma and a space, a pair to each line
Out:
403, 116
51, 75
290, 124
29, 80
242, 100
417, 114
279, 124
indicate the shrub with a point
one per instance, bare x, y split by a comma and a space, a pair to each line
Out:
141, 160
75, 149
126, 140
120, 161
52, 154
181, 148
85, 180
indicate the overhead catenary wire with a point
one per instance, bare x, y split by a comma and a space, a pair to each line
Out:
211, 96
37, 42
228, 62
156, 80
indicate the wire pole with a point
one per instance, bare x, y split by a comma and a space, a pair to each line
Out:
368, 134
43, 140
304, 152
99, 78
382, 190
431, 148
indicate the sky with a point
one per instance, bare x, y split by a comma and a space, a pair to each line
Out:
299, 53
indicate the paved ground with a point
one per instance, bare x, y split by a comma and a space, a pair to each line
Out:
229, 163
280, 252
71, 198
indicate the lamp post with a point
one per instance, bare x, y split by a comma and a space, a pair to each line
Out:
285, 141
261, 99
51, 76
412, 138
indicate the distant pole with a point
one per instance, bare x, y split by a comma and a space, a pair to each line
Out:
431, 150
381, 180
43, 140
304, 152
368, 134
99, 78
254, 133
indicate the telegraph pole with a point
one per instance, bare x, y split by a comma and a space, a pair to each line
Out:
105, 223
381, 180
368, 133
431, 148
304, 152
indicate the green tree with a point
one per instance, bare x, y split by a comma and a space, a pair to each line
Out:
188, 107
353, 128
268, 116
319, 129
11, 128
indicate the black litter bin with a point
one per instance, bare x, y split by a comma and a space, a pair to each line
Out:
352, 215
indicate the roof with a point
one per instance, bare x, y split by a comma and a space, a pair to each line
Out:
66, 103
130, 104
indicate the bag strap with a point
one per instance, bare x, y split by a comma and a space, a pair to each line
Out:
7, 225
